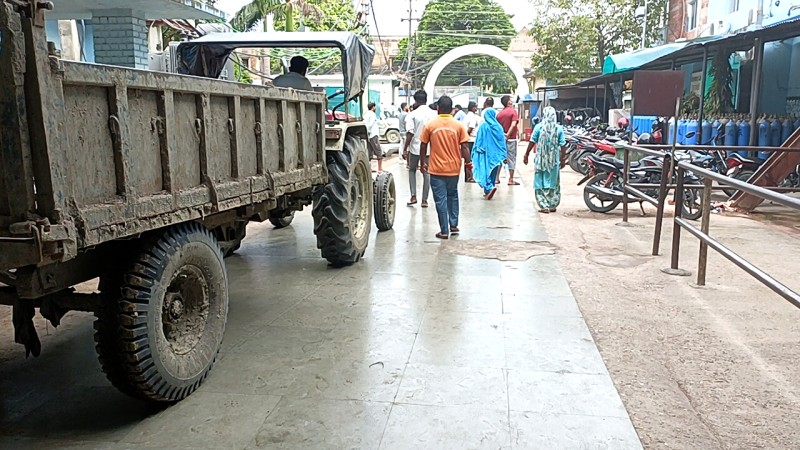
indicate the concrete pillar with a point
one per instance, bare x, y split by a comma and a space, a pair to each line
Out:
120, 38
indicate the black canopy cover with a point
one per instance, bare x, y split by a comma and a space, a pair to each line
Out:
207, 55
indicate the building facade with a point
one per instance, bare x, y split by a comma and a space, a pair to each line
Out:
780, 84
114, 32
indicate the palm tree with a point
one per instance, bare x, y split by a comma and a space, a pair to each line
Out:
258, 10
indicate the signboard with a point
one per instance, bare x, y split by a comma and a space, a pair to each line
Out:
655, 91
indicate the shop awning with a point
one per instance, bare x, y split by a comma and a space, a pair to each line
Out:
624, 62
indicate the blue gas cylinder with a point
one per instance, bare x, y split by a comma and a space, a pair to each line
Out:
731, 130
743, 138
787, 127
775, 131
692, 126
681, 131
715, 129
707, 134
763, 133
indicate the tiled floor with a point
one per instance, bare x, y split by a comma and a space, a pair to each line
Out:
414, 347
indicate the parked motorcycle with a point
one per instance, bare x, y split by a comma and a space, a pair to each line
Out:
603, 191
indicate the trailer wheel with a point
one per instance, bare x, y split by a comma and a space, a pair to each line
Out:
282, 220
384, 201
342, 208
159, 338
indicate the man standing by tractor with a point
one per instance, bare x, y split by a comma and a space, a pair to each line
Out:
415, 122
373, 134
447, 139
509, 119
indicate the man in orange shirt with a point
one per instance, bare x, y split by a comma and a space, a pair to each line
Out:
447, 139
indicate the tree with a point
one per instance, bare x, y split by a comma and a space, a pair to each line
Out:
315, 15
257, 11
719, 98
574, 38
447, 24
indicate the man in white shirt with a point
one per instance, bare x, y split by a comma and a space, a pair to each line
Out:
296, 77
373, 132
459, 114
472, 121
415, 123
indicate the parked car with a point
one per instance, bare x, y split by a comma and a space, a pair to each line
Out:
390, 126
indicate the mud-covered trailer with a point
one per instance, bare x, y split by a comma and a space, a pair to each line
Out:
144, 180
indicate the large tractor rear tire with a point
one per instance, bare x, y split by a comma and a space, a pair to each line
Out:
160, 334
343, 208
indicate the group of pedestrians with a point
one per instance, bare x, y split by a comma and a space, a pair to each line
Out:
440, 135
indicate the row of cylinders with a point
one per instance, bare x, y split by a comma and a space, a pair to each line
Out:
772, 132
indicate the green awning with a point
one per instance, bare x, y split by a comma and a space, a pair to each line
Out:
624, 62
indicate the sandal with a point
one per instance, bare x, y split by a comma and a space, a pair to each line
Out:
412, 202
442, 236
552, 210
491, 193
454, 230
513, 183
424, 204
544, 211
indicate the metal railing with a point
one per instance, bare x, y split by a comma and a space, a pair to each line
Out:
707, 241
668, 173
671, 167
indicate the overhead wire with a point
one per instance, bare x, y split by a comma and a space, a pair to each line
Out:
378, 33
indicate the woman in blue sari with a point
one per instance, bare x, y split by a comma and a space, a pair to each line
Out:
548, 137
488, 153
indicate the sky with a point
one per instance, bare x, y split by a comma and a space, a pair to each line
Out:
389, 12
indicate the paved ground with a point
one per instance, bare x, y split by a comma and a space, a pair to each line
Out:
418, 346
711, 367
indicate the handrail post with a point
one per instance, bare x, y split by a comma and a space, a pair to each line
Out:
676, 228
704, 227
666, 171
625, 169
666, 176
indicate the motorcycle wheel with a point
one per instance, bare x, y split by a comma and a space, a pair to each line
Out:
572, 160
598, 202
692, 206
742, 176
582, 166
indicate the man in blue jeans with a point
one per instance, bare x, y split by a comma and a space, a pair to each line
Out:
447, 139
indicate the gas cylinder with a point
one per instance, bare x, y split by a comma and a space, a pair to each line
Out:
731, 130
763, 132
775, 131
681, 131
743, 138
787, 127
715, 129
692, 126
670, 130
706, 135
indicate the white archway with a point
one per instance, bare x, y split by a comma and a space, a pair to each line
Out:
478, 49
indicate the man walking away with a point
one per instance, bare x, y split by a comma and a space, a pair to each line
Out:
373, 132
472, 121
415, 123
401, 119
509, 119
296, 77
459, 115
447, 139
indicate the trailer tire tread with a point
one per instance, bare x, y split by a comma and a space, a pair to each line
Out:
123, 332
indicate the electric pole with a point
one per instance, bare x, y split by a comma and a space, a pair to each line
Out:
409, 47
